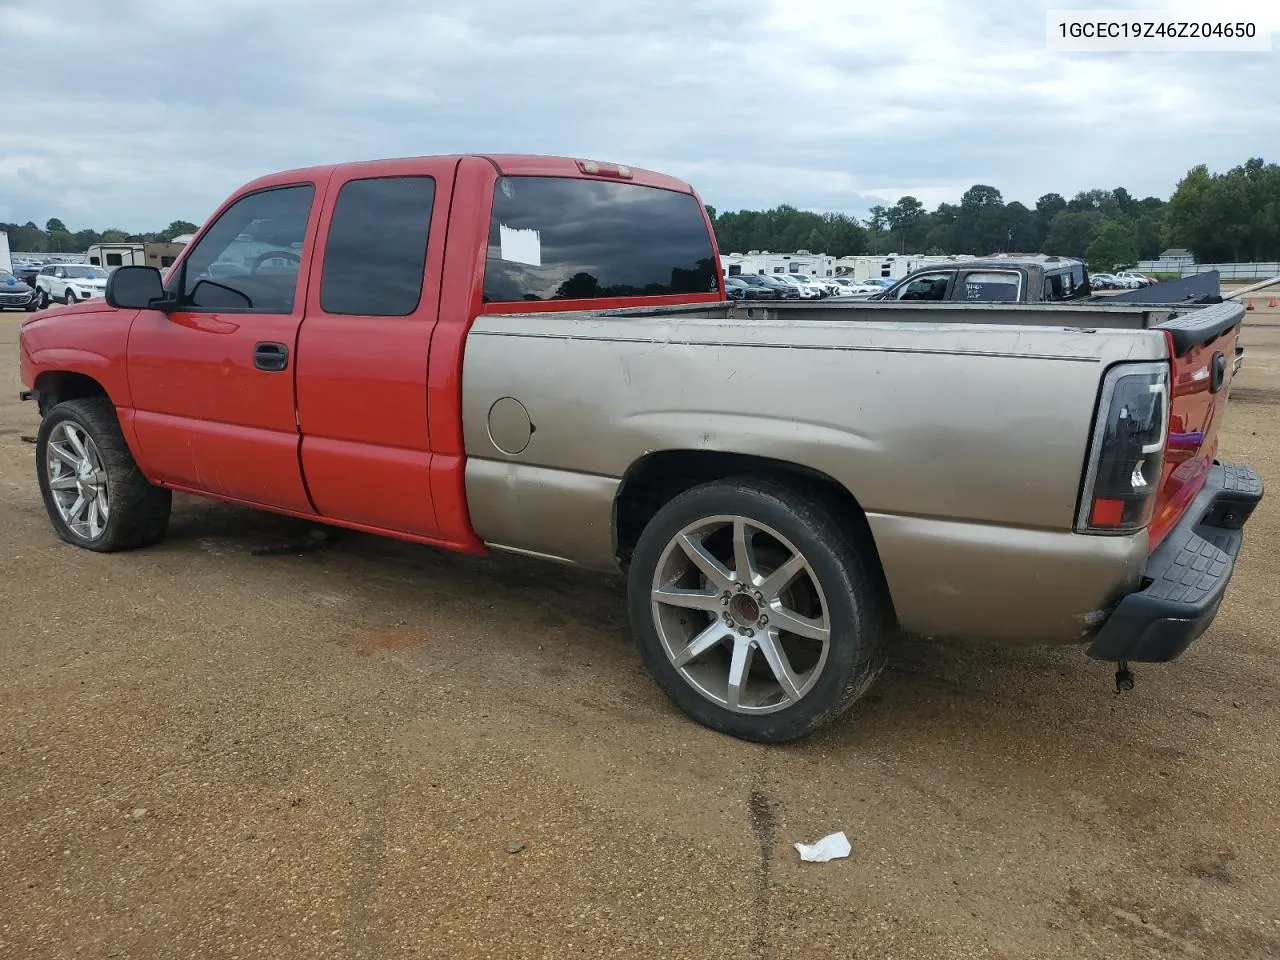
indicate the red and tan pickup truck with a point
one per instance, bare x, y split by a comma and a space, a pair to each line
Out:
534, 354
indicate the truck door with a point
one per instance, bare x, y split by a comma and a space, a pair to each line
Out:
213, 380
372, 304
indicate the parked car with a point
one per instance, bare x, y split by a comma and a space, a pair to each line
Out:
69, 282
808, 289
786, 494
15, 294
736, 288
815, 283
784, 291
1103, 281
26, 272
764, 289
1133, 280
856, 288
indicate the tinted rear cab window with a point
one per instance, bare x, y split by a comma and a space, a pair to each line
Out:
560, 238
376, 253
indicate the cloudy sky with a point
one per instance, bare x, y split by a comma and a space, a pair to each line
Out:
133, 113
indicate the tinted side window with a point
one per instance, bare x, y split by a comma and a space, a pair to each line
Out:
377, 250
249, 259
1062, 283
994, 286
929, 286
557, 238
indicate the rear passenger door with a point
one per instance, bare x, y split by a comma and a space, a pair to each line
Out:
372, 305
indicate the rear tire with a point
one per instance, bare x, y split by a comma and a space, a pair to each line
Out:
755, 610
95, 495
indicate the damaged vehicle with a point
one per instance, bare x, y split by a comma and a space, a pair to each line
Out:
536, 355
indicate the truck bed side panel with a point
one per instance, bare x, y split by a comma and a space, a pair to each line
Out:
982, 430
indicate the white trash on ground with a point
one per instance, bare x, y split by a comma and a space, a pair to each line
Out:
830, 847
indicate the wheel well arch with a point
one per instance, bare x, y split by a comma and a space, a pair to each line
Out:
655, 479
54, 386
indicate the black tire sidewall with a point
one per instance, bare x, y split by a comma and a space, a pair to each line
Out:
856, 641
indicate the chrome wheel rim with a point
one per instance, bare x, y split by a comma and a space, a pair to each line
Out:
77, 480
740, 614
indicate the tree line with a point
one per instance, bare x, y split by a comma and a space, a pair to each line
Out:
56, 238
1219, 217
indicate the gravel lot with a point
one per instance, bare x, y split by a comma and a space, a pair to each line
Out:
208, 752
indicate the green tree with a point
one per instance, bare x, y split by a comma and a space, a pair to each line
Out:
908, 219
1187, 210
1071, 233
55, 225
1114, 245
1021, 234
176, 229
980, 225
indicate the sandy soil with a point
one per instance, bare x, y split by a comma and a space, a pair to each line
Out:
208, 753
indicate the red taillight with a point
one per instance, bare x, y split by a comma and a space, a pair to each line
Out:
1123, 473
1107, 513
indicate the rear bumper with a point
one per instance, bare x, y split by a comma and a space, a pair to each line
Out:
1186, 576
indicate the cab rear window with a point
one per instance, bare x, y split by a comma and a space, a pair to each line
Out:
560, 238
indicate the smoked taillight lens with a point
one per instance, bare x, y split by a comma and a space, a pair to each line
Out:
1127, 452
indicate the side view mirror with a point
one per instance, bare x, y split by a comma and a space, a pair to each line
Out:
136, 288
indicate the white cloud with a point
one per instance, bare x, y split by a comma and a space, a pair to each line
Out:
154, 110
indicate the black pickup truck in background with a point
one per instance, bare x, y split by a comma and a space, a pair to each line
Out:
1000, 279
1036, 279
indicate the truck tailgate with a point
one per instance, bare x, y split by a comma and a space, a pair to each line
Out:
1202, 348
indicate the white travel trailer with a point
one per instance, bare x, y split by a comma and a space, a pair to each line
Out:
888, 266
117, 255
762, 261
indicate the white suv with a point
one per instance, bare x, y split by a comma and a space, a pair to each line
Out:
810, 289
69, 283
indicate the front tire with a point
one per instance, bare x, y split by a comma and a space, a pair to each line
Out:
95, 495
756, 610
69, 297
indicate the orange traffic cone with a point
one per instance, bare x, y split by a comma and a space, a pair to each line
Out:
1248, 305
1273, 304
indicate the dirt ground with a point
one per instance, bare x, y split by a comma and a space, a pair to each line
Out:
207, 752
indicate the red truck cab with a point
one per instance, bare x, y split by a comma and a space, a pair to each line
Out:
322, 379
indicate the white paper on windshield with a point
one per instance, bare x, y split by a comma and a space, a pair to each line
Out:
520, 246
